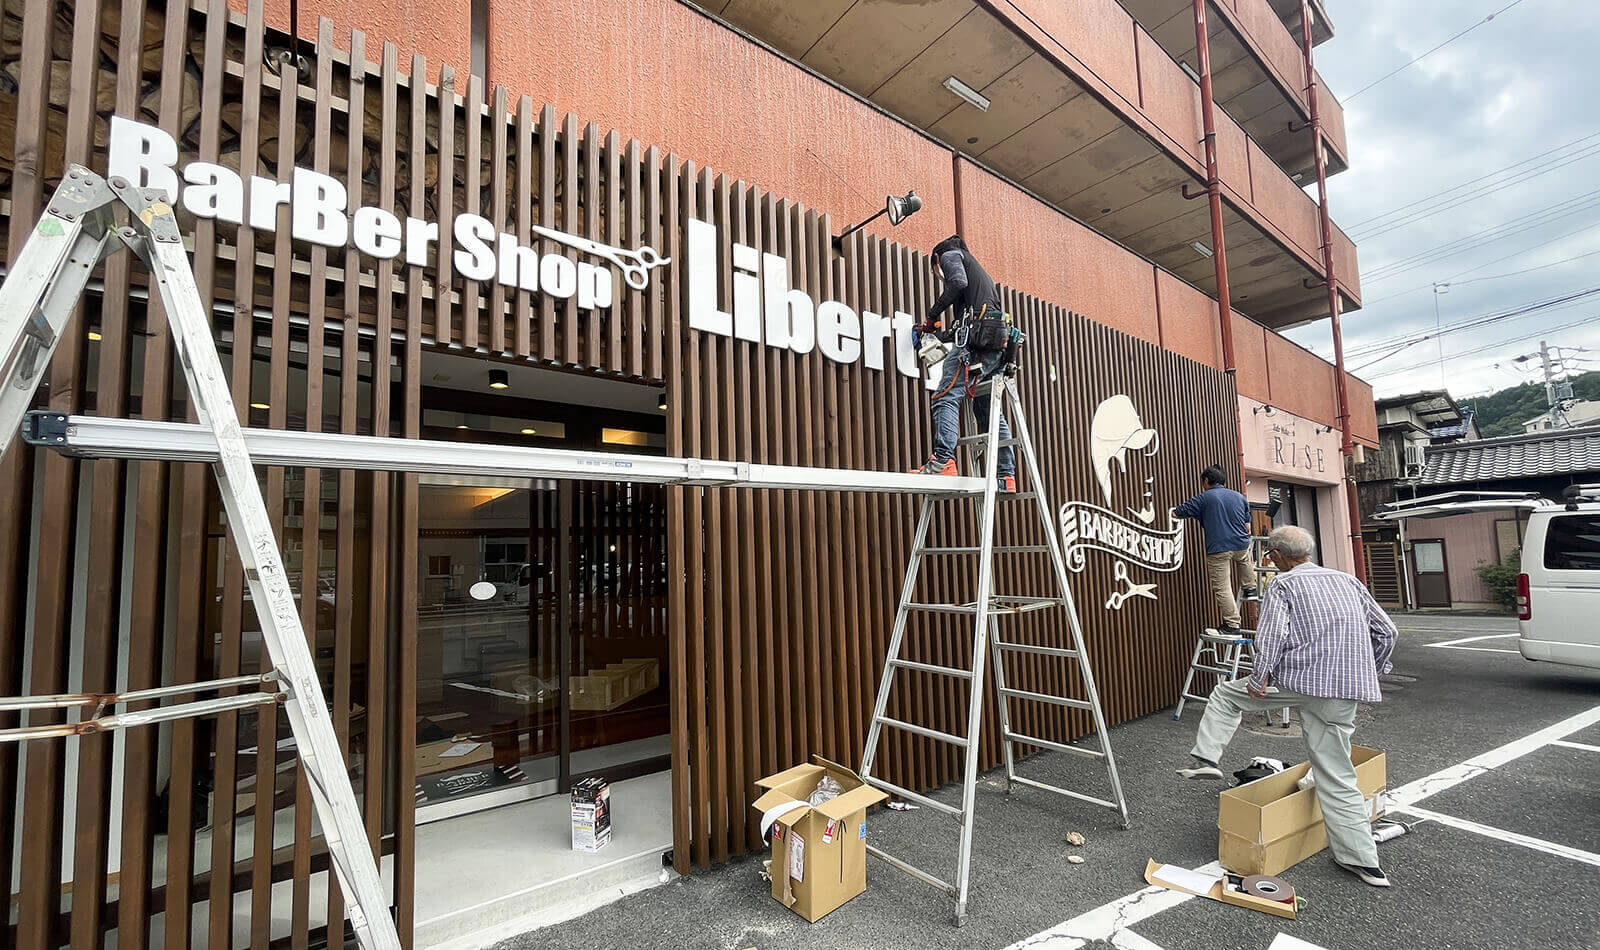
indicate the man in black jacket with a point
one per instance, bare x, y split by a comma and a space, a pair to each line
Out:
971, 292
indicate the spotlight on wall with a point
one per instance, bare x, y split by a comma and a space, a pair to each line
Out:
1266, 409
967, 94
499, 379
898, 209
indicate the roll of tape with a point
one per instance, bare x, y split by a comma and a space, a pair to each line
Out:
1269, 887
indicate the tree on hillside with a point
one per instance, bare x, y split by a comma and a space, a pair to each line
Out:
1504, 412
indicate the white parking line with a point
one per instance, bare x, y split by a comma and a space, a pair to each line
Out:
1526, 841
1576, 745
1456, 644
1110, 922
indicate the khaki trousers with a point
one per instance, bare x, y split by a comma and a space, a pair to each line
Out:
1327, 724
1226, 572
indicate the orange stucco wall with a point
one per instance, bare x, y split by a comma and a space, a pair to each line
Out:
1250, 357
1301, 382
1363, 412
1033, 247
440, 31
1169, 97
658, 71
1188, 320
1099, 33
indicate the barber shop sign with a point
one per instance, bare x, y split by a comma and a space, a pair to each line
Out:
1117, 438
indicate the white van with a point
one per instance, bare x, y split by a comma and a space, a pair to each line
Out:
1558, 592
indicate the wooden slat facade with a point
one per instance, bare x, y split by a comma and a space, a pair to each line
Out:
778, 603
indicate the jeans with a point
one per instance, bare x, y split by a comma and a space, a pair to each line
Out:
947, 411
1327, 724
1227, 571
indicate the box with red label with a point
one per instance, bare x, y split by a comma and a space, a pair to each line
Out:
819, 853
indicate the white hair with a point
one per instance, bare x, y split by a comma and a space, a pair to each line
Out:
1292, 542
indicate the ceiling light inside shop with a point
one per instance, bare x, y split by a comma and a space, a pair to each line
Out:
662, 402
260, 405
529, 432
967, 93
94, 336
499, 379
1200, 249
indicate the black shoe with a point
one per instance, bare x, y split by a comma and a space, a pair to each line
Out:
1249, 593
1373, 876
1229, 629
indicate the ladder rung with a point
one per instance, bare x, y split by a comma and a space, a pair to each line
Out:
1221, 670
1061, 791
1015, 495
147, 717
997, 605
909, 795
1030, 648
1059, 746
924, 731
997, 549
982, 439
1043, 698
912, 870
931, 668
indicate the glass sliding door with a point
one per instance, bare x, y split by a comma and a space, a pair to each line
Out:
488, 680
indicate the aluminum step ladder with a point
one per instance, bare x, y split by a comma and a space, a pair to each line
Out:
986, 610
37, 300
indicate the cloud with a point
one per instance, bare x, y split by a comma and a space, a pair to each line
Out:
1509, 90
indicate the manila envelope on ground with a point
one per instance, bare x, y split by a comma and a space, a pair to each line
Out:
819, 855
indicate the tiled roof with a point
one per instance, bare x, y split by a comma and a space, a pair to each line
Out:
1558, 452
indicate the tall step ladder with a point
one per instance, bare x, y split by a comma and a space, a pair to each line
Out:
37, 299
986, 610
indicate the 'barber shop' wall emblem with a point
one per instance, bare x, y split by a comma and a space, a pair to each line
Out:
1129, 535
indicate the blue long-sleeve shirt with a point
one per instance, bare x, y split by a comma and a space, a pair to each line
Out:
1224, 514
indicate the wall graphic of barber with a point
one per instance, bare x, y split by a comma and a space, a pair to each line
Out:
972, 294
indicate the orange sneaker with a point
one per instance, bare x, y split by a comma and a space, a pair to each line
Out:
1008, 483
935, 467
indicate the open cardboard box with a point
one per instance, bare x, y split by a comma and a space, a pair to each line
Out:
819, 854
1271, 824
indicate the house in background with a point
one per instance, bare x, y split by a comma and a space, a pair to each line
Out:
1469, 505
1575, 414
1408, 426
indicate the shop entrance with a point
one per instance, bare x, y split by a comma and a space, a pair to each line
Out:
541, 615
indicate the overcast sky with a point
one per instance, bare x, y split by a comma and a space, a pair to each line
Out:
1521, 86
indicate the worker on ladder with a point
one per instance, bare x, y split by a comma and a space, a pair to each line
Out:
1225, 516
977, 343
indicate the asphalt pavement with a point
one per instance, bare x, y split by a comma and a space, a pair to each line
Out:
1507, 855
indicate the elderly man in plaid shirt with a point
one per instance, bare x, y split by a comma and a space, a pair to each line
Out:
1320, 645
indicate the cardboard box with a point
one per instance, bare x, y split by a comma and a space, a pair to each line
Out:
617, 683
1272, 824
431, 759
819, 855
591, 814
1220, 891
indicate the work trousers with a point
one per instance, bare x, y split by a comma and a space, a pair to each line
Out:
1227, 571
1328, 724
947, 411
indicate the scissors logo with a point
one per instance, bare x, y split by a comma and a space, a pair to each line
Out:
1130, 589
635, 265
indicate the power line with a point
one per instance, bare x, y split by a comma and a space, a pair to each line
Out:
1586, 321
1456, 201
1482, 238
1418, 59
1474, 181
1398, 343
1368, 304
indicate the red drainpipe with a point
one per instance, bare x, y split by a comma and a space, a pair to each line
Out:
1346, 438
1219, 250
